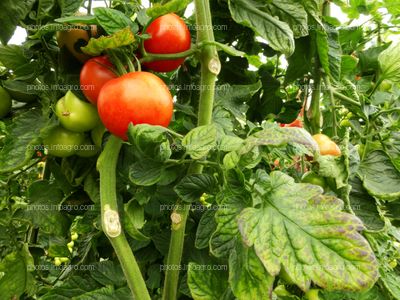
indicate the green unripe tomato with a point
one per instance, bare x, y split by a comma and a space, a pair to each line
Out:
312, 294
61, 142
64, 259
87, 149
97, 134
5, 102
57, 261
76, 115
385, 86
313, 178
345, 123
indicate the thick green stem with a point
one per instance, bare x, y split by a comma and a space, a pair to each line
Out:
328, 87
110, 219
210, 67
314, 113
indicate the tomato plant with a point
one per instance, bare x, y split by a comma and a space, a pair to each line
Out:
94, 74
137, 98
169, 34
196, 183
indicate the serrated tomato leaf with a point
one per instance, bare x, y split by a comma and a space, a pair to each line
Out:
307, 233
192, 186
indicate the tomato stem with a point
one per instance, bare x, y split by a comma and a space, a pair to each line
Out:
328, 85
117, 63
110, 218
149, 57
210, 67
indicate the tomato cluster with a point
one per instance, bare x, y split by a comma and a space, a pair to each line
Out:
115, 102
76, 118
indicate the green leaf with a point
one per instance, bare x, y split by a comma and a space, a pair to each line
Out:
230, 143
306, 232
15, 279
380, 177
134, 220
291, 12
149, 142
43, 208
233, 98
205, 229
330, 166
200, 140
170, 7
44, 8
329, 51
11, 13
90, 20
145, 172
389, 62
300, 61
69, 7
279, 136
191, 187
348, 65
391, 281
13, 56
20, 143
113, 20
224, 238
277, 33
206, 283
108, 273
364, 206
247, 275
120, 38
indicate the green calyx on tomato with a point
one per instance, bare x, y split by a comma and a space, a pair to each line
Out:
169, 34
313, 178
61, 142
326, 145
138, 98
75, 114
5, 102
94, 74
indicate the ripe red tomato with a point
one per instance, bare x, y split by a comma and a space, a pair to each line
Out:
138, 98
169, 34
295, 123
94, 74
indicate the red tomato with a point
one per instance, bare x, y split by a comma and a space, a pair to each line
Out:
295, 123
94, 74
137, 97
169, 34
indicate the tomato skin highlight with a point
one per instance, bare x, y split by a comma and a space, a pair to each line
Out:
326, 145
169, 34
138, 98
95, 73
